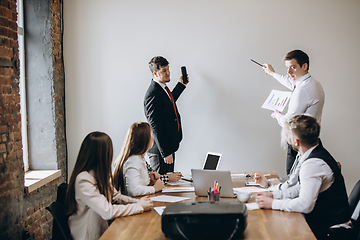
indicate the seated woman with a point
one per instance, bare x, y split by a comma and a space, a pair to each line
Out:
132, 174
90, 196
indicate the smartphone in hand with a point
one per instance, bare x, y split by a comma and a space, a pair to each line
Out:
184, 74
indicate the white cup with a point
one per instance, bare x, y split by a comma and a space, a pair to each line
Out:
243, 196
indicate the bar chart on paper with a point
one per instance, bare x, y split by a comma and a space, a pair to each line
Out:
277, 100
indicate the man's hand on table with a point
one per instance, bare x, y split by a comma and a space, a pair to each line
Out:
264, 200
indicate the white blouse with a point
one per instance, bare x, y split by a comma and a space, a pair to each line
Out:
136, 177
94, 210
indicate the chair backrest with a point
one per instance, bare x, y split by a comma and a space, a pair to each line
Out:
354, 196
354, 199
61, 228
61, 193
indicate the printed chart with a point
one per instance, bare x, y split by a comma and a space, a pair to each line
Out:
277, 100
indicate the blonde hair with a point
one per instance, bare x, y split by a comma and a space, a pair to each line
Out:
303, 127
136, 143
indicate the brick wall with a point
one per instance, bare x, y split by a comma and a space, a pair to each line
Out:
11, 173
21, 212
59, 86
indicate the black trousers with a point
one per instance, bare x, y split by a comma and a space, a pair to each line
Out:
158, 164
290, 158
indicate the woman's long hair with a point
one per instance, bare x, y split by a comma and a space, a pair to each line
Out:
96, 153
136, 143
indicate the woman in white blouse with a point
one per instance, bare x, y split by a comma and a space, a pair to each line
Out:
131, 174
90, 197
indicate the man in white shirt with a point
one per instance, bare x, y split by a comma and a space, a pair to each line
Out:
320, 192
307, 93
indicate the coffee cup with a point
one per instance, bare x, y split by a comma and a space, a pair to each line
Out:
243, 196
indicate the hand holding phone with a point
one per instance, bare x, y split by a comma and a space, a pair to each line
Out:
184, 75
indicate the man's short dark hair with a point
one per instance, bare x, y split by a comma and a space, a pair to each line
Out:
299, 56
305, 128
157, 62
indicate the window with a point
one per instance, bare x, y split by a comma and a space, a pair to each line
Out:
20, 22
37, 93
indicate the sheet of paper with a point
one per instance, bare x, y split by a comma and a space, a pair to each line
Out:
252, 206
178, 189
180, 182
187, 179
167, 198
251, 189
238, 176
252, 184
159, 210
277, 100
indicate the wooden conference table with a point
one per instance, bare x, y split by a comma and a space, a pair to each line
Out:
261, 224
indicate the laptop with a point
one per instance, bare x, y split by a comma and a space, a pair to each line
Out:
211, 162
204, 179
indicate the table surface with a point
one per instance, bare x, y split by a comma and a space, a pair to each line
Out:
261, 224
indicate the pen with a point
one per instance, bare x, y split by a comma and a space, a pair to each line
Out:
256, 62
267, 175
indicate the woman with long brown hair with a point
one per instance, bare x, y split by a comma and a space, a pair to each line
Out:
132, 174
90, 194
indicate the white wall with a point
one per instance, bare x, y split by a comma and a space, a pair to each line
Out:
108, 44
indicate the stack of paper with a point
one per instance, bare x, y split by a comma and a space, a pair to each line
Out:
166, 198
178, 189
251, 189
252, 206
238, 176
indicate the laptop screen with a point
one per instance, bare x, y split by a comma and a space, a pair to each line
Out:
212, 161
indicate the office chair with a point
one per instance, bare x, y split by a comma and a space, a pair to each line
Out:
61, 228
339, 165
354, 198
61, 193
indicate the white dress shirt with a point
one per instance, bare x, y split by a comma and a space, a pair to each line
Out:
163, 87
315, 175
291, 179
308, 97
136, 177
94, 210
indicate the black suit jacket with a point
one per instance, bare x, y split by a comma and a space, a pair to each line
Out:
160, 114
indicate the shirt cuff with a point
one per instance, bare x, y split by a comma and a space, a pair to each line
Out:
164, 178
279, 118
276, 204
277, 194
274, 187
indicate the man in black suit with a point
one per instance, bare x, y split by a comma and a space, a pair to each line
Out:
163, 116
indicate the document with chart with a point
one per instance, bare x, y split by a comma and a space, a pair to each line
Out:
277, 100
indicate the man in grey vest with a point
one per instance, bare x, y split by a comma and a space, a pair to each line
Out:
320, 193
